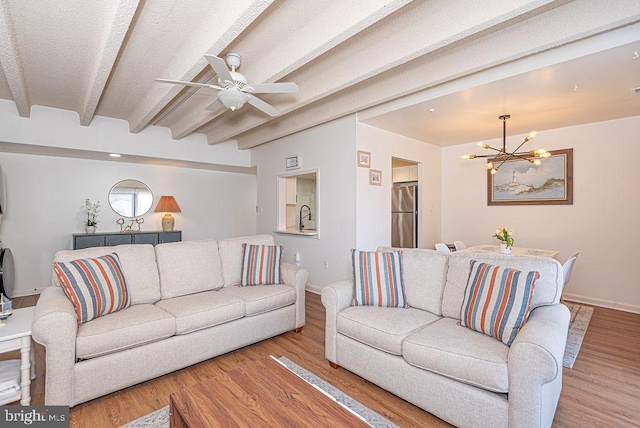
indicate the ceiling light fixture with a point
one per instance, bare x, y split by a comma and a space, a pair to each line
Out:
502, 156
232, 98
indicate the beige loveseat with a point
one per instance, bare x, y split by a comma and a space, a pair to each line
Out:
424, 356
185, 308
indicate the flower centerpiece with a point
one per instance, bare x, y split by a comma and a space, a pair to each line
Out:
92, 211
505, 236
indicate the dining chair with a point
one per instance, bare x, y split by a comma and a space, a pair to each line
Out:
442, 247
567, 267
459, 245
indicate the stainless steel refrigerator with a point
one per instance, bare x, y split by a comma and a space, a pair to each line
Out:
404, 215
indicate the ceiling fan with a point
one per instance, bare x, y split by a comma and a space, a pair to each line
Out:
234, 91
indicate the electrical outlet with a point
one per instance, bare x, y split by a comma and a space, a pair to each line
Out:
326, 264
258, 208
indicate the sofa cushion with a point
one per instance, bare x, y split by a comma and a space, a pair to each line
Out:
446, 348
377, 279
188, 267
261, 264
231, 255
128, 328
382, 328
263, 298
548, 286
95, 286
497, 300
138, 263
423, 275
197, 311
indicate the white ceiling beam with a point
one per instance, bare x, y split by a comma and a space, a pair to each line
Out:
419, 29
311, 40
230, 19
12, 62
123, 13
588, 18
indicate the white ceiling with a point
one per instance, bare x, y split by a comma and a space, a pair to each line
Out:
388, 60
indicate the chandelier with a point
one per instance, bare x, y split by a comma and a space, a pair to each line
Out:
499, 158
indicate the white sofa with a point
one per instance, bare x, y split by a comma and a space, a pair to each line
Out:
424, 356
178, 316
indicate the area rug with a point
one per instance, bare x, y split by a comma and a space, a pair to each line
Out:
580, 317
160, 418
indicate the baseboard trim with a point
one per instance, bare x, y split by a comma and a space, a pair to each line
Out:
314, 289
602, 303
27, 292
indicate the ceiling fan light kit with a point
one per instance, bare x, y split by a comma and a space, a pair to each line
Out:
503, 156
233, 99
234, 90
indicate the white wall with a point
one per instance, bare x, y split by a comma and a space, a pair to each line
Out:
61, 128
330, 148
45, 194
45, 197
373, 217
602, 223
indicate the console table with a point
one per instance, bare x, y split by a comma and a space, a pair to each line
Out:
86, 240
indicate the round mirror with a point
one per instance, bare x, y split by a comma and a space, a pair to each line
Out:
130, 198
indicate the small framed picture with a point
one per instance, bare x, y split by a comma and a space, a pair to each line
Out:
292, 162
375, 177
364, 159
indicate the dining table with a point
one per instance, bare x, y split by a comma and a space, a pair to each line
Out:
519, 251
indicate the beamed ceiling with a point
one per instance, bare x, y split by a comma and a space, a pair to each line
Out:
98, 57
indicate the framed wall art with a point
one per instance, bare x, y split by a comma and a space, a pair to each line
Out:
292, 162
519, 182
375, 177
364, 159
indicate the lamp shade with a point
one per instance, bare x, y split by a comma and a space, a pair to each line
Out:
167, 204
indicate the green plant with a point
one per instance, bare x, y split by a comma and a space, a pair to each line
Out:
92, 212
505, 236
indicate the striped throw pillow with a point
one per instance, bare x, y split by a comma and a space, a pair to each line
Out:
377, 279
261, 264
497, 300
96, 287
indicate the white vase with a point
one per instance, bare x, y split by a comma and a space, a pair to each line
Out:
90, 229
504, 249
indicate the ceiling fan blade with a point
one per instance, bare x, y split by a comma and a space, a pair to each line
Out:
220, 67
180, 82
273, 88
261, 105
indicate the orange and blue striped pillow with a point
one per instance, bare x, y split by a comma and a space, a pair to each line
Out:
497, 300
261, 264
96, 287
377, 279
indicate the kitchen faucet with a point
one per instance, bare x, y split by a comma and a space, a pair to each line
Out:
301, 217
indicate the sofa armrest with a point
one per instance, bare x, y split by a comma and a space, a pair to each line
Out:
535, 367
297, 277
335, 297
55, 326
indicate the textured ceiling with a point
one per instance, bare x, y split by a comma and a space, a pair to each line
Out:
99, 57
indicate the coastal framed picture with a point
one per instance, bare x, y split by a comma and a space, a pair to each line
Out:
375, 177
519, 182
364, 159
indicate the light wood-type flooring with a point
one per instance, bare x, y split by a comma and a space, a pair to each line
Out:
602, 389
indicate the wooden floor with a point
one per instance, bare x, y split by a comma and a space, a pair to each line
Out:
602, 389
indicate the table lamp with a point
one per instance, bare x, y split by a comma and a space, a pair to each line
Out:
167, 205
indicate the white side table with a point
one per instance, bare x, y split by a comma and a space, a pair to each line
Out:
16, 334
